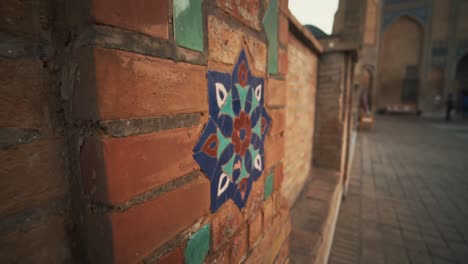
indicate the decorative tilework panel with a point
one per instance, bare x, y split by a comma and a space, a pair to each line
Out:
230, 150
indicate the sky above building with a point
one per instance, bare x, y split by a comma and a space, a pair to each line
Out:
319, 13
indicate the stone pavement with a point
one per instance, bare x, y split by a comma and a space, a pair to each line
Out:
408, 195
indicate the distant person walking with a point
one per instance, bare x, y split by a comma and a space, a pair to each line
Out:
449, 107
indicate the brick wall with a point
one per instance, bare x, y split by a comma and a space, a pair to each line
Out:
151, 199
300, 116
330, 104
106, 150
35, 220
371, 23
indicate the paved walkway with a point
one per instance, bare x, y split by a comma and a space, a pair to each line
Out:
408, 195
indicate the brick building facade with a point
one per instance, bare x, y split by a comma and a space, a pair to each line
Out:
169, 131
434, 36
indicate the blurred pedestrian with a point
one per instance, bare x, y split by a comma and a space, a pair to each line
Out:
449, 107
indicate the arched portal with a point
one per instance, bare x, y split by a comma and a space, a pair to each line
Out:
400, 58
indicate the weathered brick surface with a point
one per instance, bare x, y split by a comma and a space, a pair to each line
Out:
129, 85
274, 150
40, 240
23, 94
225, 43
283, 61
239, 245
255, 228
144, 16
246, 11
225, 223
31, 174
256, 197
144, 227
136, 164
283, 254
278, 124
268, 213
283, 32
125, 117
23, 18
276, 92
300, 117
174, 256
279, 176
329, 106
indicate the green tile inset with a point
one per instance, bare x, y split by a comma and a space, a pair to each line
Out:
188, 29
198, 246
268, 186
270, 24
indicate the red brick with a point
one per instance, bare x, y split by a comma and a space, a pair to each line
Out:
22, 112
280, 234
247, 11
136, 164
145, 227
172, 257
224, 224
239, 245
274, 150
279, 175
23, 90
283, 4
144, 16
255, 200
221, 257
268, 214
276, 93
44, 241
283, 254
283, 61
255, 228
278, 121
22, 77
225, 42
282, 206
31, 174
261, 250
283, 29
129, 85
24, 18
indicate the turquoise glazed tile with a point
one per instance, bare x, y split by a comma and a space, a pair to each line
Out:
198, 246
268, 186
188, 29
270, 24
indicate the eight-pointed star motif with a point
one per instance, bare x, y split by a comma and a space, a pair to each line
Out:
230, 150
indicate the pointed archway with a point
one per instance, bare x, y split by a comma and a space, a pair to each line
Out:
400, 57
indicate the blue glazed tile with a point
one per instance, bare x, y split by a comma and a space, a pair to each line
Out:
213, 78
230, 149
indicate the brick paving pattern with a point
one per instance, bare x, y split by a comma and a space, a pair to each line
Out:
408, 195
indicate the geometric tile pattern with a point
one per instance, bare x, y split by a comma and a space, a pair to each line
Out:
230, 150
